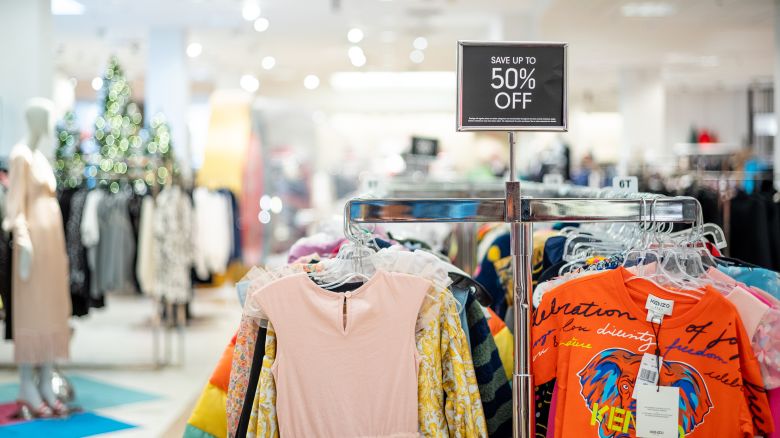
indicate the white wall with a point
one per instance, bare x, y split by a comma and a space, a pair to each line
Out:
722, 111
25, 64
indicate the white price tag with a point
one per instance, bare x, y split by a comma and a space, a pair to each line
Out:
657, 411
553, 179
657, 308
648, 372
628, 184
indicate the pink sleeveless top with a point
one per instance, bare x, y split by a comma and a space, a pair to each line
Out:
346, 363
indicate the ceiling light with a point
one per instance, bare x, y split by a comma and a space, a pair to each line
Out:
97, 83
194, 50
355, 35
250, 11
358, 61
264, 217
647, 9
311, 82
417, 56
420, 43
66, 7
249, 83
355, 52
261, 24
268, 62
356, 56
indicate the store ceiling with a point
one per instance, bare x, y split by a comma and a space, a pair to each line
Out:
702, 43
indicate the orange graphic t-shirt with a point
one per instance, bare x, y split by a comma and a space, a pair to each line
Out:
591, 333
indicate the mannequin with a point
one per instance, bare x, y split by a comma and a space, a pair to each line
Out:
40, 281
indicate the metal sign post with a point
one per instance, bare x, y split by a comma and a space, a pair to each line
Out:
514, 86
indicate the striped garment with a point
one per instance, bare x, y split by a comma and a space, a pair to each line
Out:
494, 388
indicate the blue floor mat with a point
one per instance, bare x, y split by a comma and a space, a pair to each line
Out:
91, 394
75, 426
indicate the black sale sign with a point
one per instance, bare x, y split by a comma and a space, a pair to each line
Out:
511, 86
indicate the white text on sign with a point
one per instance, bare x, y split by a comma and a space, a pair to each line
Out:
513, 78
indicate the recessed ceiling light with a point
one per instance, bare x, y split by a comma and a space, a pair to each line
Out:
355, 35
358, 61
261, 24
356, 56
66, 7
417, 56
420, 43
647, 9
251, 10
268, 62
355, 52
249, 83
97, 83
194, 50
311, 82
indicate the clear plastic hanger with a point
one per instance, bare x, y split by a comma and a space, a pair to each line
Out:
352, 260
675, 282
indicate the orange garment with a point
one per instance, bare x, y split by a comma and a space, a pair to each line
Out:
495, 323
347, 363
209, 417
504, 342
221, 375
591, 333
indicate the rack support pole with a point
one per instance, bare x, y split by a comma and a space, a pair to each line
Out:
521, 246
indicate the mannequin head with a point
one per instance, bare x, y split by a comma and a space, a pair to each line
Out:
38, 116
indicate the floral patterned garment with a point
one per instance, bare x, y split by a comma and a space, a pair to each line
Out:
766, 346
239, 371
448, 397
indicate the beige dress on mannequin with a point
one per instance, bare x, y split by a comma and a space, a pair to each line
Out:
41, 303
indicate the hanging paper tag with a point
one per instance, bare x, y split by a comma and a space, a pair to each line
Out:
628, 184
657, 411
648, 372
657, 308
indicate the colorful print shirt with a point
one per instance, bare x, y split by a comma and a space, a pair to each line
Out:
591, 333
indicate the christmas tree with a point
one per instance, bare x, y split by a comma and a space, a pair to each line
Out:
160, 147
69, 162
118, 127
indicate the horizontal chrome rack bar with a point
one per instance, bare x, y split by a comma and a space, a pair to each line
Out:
527, 210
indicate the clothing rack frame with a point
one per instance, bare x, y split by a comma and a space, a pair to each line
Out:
521, 211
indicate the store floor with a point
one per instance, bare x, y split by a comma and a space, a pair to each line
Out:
156, 402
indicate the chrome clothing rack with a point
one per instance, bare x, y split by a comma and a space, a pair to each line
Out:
555, 203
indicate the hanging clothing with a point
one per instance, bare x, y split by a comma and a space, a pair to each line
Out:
6, 267
208, 417
173, 245
495, 392
146, 264
213, 232
41, 301
77, 254
448, 396
324, 327
235, 224
90, 237
116, 246
591, 334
